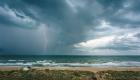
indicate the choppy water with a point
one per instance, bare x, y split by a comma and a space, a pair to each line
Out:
71, 61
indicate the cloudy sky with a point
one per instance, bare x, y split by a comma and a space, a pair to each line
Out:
70, 27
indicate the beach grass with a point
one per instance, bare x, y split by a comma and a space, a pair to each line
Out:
47, 74
118, 75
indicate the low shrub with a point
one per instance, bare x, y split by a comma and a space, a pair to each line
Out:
46, 75
118, 75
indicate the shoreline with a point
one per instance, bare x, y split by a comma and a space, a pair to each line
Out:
91, 69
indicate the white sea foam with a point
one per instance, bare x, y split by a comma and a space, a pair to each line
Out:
46, 63
11, 60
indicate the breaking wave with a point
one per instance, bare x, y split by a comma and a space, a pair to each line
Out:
49, 63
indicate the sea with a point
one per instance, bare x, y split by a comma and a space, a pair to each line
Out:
69, 61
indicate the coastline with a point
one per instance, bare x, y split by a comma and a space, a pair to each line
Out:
96, 69
91, 69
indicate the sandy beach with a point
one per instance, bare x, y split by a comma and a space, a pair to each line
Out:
92, 69
95, 69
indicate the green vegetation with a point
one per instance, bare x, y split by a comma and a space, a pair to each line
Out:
118, 75
46, 75
68, 75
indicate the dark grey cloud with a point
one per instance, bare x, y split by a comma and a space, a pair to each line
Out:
55, 26
72, 25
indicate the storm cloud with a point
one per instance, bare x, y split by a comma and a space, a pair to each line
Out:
70, 27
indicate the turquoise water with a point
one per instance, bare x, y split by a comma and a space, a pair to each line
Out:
70, 61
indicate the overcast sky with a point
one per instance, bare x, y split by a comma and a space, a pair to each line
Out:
70, 27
